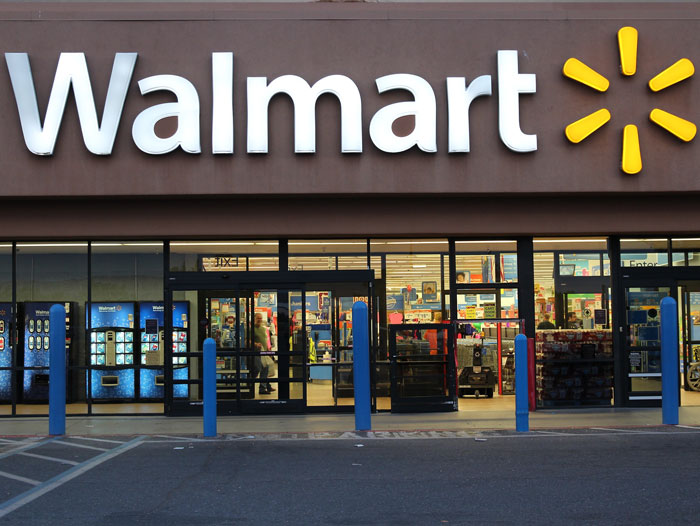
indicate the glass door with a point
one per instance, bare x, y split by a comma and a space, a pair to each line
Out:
690, 315
329, 343
257, 370
642, 342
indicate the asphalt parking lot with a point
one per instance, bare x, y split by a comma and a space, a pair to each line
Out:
625, 475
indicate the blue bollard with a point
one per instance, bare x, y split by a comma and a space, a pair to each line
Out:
669, 361
209, 387
57, 370
522, 412
360, 352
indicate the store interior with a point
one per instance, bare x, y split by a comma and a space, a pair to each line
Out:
116, 343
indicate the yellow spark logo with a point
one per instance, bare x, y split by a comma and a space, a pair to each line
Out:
631, 152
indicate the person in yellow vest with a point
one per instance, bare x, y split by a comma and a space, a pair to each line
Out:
311, 355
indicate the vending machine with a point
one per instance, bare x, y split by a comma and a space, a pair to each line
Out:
34, 342
111, 340
5, 352
152, 360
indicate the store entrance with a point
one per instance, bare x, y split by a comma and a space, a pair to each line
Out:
282, 346
689, 292
642, 340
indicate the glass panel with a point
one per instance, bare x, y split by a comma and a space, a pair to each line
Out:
577, 258
643, 320
223, 256
281, 354
475, 269
333, 254
586, 311
312, 263
643, 336
482, 268
50, 273
413, 277
686, 251
580, 264
329, 347
421, 363
377, 266
579, 244
574, 368
6, 321
644, 383
126, 330
502, 303
352, 262
480, 246
644, 252
478, 346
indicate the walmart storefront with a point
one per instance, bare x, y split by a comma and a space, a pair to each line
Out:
470, 170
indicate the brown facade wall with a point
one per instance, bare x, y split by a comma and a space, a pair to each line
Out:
560, 189
363, 42
197, 218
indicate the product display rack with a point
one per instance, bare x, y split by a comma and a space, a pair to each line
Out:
112, 340
34, 343
574, 368
151, 362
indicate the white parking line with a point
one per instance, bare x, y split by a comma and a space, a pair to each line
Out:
63, 442
632, 431
57, 481
21, 479
180, 439
99, 440
53, 459
24, 447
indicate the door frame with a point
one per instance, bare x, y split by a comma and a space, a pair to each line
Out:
622, 392
244, 281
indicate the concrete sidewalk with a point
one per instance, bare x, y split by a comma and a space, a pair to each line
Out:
318, 423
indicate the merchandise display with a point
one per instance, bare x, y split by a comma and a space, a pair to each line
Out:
151, 366
35, 342
5, 351
477, 363
574, 367
111, 341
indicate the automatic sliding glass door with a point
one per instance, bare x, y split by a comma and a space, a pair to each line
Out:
642, 330
257, 370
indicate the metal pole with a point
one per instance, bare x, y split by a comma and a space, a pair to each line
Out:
209, 387
522, 414
57, 370
669, 361
360, 352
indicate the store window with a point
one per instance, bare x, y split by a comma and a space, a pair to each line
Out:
126, 359
7, 353
653, 252
486, 261
413, 273
685, 252
329, 254
224, 256
48, 274
574, 364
